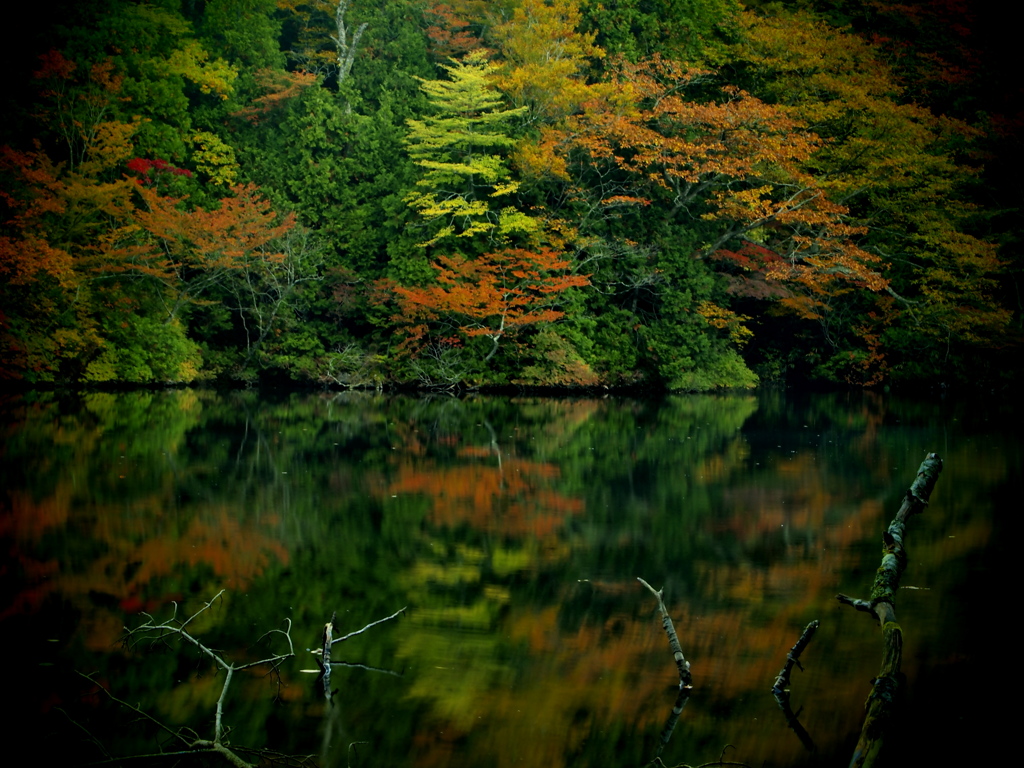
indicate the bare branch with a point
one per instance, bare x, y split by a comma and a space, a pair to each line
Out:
133, 708
371, 624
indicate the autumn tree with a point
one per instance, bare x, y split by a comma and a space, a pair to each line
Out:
491, 297
899, 170
61, 218
450, 34
732, 160
546, 58
196, 249
678, 160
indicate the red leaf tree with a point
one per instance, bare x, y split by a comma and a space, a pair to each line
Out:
492, 296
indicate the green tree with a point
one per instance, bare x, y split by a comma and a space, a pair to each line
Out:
245, 32
692, 31
462, 148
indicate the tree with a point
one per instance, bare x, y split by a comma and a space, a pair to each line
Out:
449, 33
459, 148
245, 31
194, 250
736, 162
491, 296
323, 23
899, 170
678, 167
684, 30
61, 220
546, 58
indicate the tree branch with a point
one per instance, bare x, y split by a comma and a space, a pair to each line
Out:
882, 606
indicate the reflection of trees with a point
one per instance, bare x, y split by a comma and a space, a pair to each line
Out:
514, 529
95, 513
511, 500
522, 486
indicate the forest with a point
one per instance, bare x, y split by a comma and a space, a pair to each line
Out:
683, 195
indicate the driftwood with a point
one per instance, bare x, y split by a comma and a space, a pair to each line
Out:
780, 688
324, 652
882, 605
682, 666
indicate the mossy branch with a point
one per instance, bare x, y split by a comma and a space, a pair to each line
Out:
882, 605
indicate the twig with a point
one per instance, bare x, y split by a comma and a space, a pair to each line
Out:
349, 761
720, 761
93, 739
173, 626
371, 624
147, 716
353, 665
781, 684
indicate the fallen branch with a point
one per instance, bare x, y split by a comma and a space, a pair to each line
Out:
685, 680
882, 605
780, 688
371, 624
682, 665
324, 652
159, 631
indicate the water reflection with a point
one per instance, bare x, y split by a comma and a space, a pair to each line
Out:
514, 530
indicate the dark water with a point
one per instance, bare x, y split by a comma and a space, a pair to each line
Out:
513, 532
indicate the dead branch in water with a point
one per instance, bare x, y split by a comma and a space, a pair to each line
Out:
780, 688
685, 680
191, 743
324, 652
882, 605
682, 665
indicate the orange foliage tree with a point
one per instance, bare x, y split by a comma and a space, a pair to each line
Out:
732, 161
491, 296
449, 33
904, 173
196, 249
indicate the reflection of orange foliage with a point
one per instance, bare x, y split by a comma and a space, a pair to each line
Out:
30, 519
513, 498
234, 552
142, 548
575, 681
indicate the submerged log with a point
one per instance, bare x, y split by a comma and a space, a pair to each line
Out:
882, 605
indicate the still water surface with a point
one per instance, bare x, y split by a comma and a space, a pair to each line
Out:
512, 530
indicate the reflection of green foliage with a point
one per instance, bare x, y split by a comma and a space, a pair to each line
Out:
314, 471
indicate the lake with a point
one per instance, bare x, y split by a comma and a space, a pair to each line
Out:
512, 531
